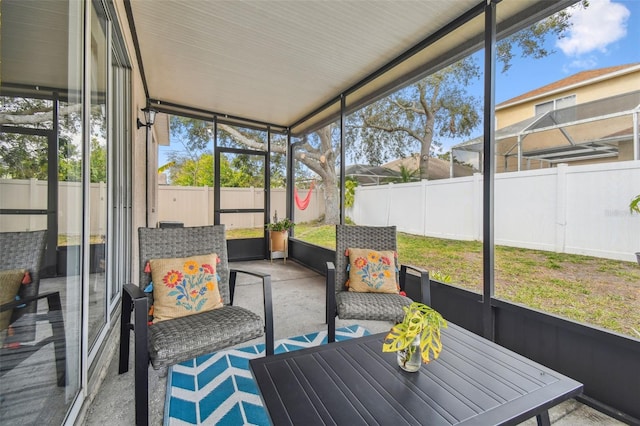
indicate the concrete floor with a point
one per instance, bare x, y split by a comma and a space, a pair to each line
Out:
298, 308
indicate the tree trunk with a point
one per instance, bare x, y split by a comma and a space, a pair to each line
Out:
329, 177
331, 202
424, 163
430, 109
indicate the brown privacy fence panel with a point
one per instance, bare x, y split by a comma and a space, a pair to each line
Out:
172, 199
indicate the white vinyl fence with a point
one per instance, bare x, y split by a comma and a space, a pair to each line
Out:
31, 194
566, 209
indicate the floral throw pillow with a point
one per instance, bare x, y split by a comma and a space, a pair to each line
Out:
372, 271
184, 286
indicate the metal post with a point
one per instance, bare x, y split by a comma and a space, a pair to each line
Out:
519, 151
290, 180
267, 192
343, 109
216, 174
147, 129
636, 141
489, 168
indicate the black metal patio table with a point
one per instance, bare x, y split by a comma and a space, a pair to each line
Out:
474, 382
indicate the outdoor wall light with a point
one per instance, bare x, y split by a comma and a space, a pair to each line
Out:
149, 115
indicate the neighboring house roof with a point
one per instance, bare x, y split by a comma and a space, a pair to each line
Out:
580, 79
370, 175
438, 169
390, 172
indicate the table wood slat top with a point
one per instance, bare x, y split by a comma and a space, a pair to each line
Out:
353, 382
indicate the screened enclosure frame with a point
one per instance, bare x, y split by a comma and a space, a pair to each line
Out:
612, 110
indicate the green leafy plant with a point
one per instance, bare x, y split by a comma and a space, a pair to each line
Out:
440, 276
350, 186
280, 225
422, 320
634, 206
408, 175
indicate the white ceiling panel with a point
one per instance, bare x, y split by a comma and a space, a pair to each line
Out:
264, 60
32, 53
275, 61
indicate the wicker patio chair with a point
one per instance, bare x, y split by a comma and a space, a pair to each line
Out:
177, 340
367, 306
25, 251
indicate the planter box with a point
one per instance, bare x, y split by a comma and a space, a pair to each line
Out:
279, 244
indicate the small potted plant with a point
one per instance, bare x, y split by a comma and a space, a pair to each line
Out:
278, 233
280, 225
417, 337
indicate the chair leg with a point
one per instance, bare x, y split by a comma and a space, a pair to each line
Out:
331, 334
232, 285
125, 330
59, 338
268, 316
543, 419
141, 364
331, 304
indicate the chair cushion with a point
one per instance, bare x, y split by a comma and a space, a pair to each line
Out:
184, 286
371, 306
10, 281
181, 339
372, 271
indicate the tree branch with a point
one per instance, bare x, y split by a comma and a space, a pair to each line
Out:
392, 129
408, 107
36, 115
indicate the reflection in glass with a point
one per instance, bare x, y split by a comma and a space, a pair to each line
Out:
98, 208
120, 158
40, 189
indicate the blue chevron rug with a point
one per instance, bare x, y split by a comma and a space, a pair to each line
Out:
218, 389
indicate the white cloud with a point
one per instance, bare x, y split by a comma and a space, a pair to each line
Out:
581, 63
595, 27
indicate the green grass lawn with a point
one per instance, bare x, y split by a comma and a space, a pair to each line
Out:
593, 290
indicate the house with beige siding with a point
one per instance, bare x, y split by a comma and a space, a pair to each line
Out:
588, 117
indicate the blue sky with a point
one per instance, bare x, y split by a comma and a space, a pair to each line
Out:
606, 33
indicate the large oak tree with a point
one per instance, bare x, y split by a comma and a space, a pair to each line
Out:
437, 106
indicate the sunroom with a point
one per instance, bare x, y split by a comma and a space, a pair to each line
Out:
99, 99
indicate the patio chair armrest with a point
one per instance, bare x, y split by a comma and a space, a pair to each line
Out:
136, 301
255, 274
331, 277
425, 282
233, 273
17, 303
268, 304
331, 281
135, 293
